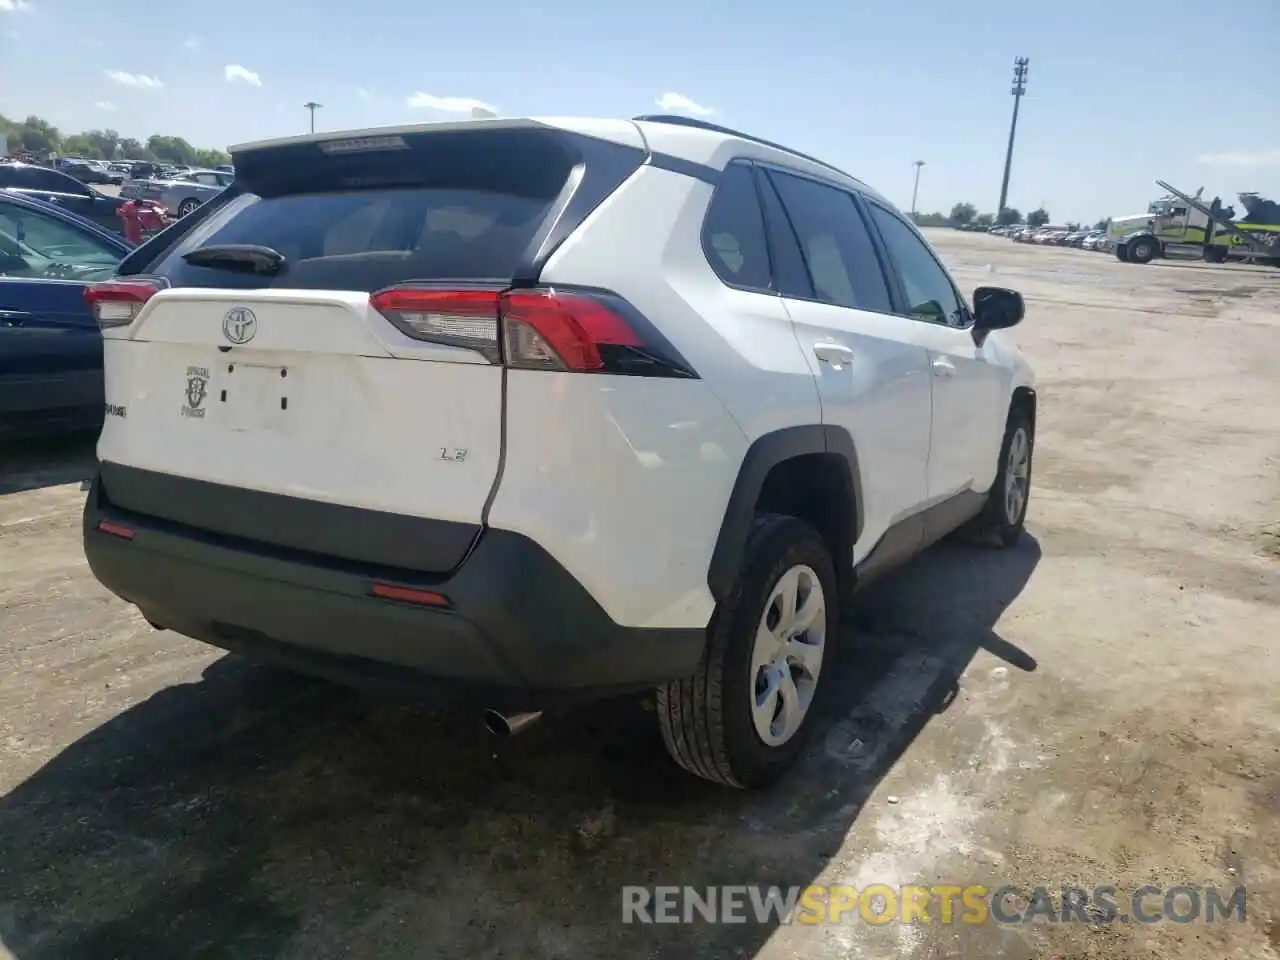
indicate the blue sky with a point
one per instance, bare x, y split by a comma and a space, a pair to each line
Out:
1114, 96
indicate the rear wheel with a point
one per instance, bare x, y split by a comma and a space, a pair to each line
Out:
743, 718
188, 206
1122, 252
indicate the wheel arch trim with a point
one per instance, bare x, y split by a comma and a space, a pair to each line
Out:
765, 453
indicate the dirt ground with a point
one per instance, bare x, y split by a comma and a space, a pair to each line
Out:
1096, 707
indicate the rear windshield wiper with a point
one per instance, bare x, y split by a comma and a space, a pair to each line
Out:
241, 257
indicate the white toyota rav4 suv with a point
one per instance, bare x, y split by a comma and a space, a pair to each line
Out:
522, 412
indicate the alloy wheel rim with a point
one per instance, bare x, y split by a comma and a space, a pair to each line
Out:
786, 660
1017, 476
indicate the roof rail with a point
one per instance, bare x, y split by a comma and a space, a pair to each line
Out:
679, 121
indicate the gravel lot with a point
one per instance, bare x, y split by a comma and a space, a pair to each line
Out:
1098, 706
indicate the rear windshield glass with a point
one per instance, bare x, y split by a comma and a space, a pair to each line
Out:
446, 206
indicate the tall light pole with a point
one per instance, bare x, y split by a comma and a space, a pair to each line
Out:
312, 106
1020, 65
915, 190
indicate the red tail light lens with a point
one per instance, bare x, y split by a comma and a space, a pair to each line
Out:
558, 331
536, 329
456, 318
117, 303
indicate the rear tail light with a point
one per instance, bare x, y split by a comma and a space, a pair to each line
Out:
456, 318
536, 329
117, 303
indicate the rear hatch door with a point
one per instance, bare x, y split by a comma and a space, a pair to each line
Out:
267, 387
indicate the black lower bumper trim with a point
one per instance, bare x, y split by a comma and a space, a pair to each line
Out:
292, 523
523, 632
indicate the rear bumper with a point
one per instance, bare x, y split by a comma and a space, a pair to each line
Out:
522, 632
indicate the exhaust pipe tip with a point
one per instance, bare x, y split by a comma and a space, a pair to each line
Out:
503, 726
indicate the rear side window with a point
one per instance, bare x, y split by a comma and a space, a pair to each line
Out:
836, 245
441, 206
733, 232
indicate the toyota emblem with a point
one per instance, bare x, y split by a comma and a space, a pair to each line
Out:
239, 325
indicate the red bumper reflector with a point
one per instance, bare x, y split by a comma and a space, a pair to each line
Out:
115, 529
426, 598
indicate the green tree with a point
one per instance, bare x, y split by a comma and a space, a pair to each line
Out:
937, 219
171, 149
39, 135
203, 157
132, 149
1008, 217
1038, 217
105, 143
1102, 224
985, 220
79, 145
962, 214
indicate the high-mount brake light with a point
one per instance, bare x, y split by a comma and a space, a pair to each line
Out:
541, 329
363, 144
117, 303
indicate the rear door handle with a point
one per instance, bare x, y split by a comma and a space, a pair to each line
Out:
836, 354
943, 368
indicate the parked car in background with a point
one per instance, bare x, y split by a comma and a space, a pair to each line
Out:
87, 171
181, 194
144, 170
50, 344
56, 187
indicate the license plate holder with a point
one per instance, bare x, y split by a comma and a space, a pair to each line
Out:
254, 396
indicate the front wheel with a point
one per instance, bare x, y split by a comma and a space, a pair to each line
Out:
743, 718
1002, 518
188, 206
1142, 250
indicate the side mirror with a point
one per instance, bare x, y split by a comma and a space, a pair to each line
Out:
995, 308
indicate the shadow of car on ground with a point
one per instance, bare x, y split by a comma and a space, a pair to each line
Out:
256, 814
47, 461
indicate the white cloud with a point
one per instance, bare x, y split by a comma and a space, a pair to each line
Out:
15, 6
425, 101
680, 103
105, 105
138, 81
1243, 158
191, 43
235, 73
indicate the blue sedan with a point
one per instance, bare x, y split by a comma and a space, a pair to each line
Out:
50, 346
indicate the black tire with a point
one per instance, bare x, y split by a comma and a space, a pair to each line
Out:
706, 719
1122, 252
994, 526
1142, 250
188, 207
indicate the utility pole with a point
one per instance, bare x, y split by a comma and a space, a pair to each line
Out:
1020, 65
313, 107
915, 190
